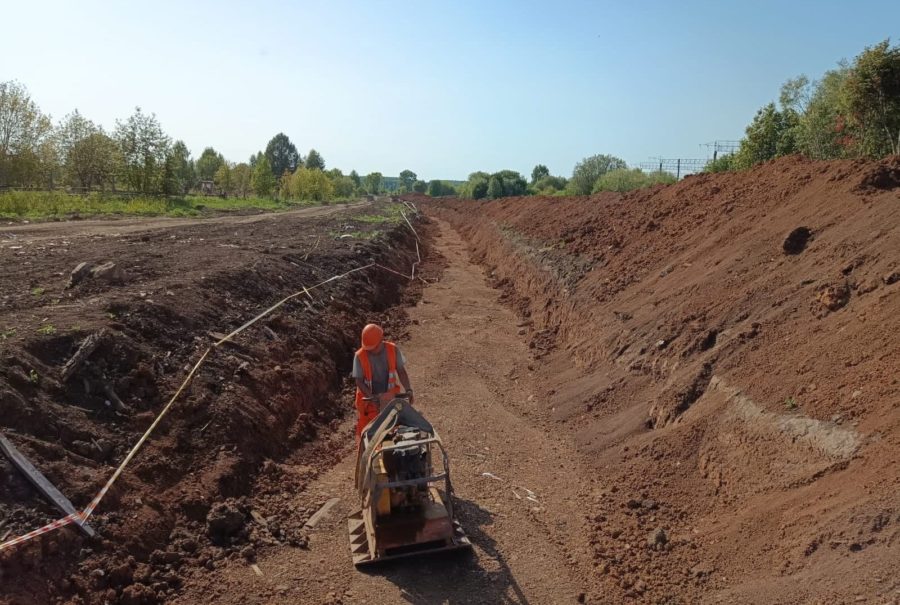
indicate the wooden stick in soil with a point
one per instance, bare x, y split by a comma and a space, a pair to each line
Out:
84, 351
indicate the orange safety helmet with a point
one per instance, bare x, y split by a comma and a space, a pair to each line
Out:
372, 335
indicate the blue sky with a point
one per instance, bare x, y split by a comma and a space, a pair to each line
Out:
441, 88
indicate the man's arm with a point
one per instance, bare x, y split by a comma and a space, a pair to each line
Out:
362, 386
404, 380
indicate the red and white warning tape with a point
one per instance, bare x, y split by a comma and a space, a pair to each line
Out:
84, 515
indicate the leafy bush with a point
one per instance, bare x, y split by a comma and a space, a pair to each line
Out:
623, 179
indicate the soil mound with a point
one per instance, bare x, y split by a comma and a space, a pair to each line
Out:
726, 348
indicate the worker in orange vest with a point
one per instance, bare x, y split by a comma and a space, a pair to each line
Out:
379, 369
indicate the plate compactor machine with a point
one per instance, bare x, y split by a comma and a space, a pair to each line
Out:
403, 480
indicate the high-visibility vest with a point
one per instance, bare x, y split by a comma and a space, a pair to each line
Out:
367, 410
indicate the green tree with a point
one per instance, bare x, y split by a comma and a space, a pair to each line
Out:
354, 176
771, 134
873, 99
623, 179
282, 155
407, 180
90, 158
723, 163
263, 181
223, 180
588, 170
23, 131
823, 124
495, 187
344, 186
420, 186
179, 171
550, 184
476, 187
241, 177
98, 160
208, 163
144, 147
539, 172
309, 184
374, 182
315, 161
512, 183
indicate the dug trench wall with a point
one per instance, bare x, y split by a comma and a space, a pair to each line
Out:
726, 352
187, 498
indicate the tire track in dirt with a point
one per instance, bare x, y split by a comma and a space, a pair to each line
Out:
470, 369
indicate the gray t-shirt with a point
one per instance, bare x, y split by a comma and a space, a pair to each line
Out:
379, 369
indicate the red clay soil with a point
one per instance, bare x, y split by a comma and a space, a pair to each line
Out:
726, 354
270, 392
710, 411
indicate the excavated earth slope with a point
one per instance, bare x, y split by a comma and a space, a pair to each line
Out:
177, 287
726, 353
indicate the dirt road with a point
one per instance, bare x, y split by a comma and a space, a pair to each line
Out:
33, 232
471, 371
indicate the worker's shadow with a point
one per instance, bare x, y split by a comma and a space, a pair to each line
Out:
459, 577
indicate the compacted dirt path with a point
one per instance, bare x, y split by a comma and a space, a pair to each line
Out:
470, 369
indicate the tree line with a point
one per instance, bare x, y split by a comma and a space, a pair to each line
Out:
137, 155
593, 174
852, 111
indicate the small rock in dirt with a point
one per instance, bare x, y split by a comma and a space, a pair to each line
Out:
649, 504
701, 570
891, 278
582, 597
165, 557
109, 272
298, 540
78, 274
224, 519
796, 241
249, 553
121, 575
866, 286
138, 594
657, 539
633, 504
188, 545
332, 599
834, 297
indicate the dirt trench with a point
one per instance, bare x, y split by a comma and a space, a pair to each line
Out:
474, 379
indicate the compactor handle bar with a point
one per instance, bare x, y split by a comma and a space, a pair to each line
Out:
374, 399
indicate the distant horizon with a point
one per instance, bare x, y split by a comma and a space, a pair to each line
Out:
443, 91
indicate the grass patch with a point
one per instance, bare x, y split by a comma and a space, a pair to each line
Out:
56, 204
36, 292
391, 214
4, 334
47, 330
